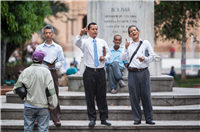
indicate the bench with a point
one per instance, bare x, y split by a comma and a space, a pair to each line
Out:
196, 86
5, 89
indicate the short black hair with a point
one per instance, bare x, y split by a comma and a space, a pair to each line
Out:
130, 27
117, 35
71, 64
92, 23
9, 76
48, 27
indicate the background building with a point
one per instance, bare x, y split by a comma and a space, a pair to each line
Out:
67, 33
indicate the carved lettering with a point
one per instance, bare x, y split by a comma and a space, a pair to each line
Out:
119, 19
115, 31
112, 26
107, 16
109, 21
120, 9
122, 21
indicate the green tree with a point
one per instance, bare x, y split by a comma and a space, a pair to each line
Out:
56, 6
19, 19
62, 8
172, 19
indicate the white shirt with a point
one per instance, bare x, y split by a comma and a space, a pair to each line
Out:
87, 47
53, 51
135, 63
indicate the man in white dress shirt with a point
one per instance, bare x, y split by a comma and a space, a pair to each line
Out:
138, 77
53, 51
94, 77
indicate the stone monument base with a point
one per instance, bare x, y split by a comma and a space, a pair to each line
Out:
163, 83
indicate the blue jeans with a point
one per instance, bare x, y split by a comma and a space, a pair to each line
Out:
114, 72
42, 115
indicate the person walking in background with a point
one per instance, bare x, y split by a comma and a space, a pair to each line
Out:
38, 81
115, 66
172, 50
138, 76
54, 52
71, 70
94, 77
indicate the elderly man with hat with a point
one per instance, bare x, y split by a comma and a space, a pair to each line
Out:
41, 97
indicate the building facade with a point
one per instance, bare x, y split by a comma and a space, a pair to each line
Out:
67, 32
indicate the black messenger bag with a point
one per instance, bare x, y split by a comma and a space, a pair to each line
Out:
21, 91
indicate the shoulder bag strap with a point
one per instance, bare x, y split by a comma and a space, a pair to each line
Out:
135, 52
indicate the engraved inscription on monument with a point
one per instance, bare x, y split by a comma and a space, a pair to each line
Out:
119, 19
114, 17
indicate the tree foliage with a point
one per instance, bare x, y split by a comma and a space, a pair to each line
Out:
172, 20
58, 6
19, 19
170, 17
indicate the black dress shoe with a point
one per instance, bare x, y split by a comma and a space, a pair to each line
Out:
92, 123
105, 122
122, 84
57, 123
137, 122
150, 122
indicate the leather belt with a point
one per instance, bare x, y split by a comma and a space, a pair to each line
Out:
53, 70
94, 69
130, 69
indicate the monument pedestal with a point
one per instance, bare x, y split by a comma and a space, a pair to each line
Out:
163, 83
159, 83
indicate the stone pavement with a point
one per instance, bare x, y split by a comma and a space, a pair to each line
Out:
176, 111
117, 126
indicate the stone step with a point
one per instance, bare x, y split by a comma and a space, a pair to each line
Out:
190, 112
117, 126
179, 96
163, 83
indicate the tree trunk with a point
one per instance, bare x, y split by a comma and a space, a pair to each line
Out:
21, 53
3, 61
183, 56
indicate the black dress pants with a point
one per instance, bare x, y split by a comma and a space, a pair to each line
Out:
95, 87
56, 113
139, 85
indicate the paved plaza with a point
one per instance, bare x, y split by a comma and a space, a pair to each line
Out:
178, 110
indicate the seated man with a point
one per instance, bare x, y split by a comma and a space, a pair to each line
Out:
72, 69
172, 72
115, 65
9, 81
63, 81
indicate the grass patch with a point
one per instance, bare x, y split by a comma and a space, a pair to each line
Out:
188, 82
